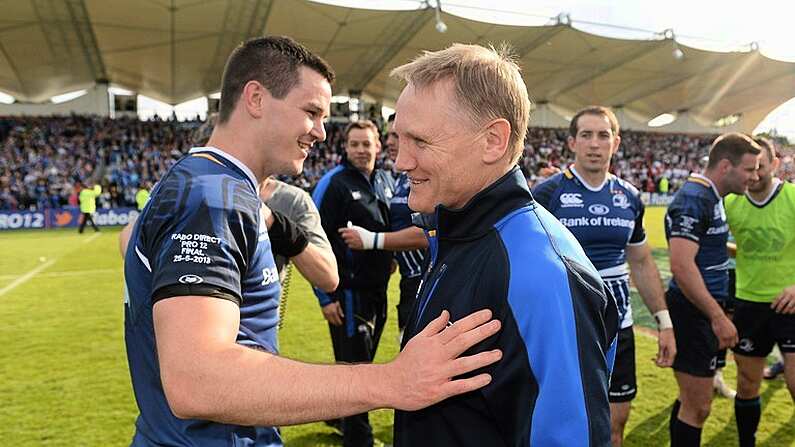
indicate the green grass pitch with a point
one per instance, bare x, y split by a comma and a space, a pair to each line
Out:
64, 378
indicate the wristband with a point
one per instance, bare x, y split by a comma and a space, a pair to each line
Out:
370, 239
663, 319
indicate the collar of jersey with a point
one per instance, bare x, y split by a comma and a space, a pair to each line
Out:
483, 211
230, 158
706, 179
585, 184
776, 185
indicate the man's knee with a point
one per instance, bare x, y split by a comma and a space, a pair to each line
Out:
697, 411
748, 384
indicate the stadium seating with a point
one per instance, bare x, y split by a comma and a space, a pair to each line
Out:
44, 159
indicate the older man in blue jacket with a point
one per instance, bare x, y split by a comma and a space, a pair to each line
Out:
461, 122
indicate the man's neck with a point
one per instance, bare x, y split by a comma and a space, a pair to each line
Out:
224, 140
594, 179
760, 196
716, 180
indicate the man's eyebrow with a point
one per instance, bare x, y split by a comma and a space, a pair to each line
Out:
414, 135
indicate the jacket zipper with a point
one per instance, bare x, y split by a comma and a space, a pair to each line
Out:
427, 297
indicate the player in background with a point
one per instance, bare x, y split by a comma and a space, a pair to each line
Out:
407, 241
697, 233
762, 222
605, 214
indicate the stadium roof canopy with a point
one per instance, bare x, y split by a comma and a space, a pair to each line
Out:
174, 50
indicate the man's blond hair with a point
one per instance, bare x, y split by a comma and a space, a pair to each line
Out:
488, 85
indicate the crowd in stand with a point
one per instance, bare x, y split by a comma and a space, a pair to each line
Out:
44, 161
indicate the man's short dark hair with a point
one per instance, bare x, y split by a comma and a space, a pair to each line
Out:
768, 147
731, 146
272, 61
598, 111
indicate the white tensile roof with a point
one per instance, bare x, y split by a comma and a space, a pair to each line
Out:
175, 50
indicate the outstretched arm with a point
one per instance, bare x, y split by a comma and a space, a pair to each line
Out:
206, 375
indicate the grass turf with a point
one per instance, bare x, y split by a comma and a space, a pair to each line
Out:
64, 378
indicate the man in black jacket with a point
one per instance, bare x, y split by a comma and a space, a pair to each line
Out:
356, 193
461, 122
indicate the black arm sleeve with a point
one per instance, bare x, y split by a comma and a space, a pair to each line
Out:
287, 238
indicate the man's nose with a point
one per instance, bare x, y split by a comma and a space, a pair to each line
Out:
404, 161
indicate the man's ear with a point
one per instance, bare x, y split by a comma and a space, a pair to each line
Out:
497, 135
724, 166
253, 99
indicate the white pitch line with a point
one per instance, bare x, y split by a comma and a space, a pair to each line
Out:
96, 235
25, 277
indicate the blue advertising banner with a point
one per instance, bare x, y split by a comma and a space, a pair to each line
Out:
63, 218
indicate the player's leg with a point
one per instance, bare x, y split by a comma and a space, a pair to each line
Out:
619, 415
82, 223
754, 329
695, 397
91, 219
789, 372
358, 346
408, 293
623, 385
747, 405
694, 369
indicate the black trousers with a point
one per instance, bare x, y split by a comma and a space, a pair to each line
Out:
408, 294
356, 341
87, 218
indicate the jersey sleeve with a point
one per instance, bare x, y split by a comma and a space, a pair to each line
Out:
310, 221
638, 236
203, 251
686, 219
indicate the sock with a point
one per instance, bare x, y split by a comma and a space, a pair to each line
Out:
685, 435
747, 413
674, 414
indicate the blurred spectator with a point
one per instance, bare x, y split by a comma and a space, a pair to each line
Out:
43, 158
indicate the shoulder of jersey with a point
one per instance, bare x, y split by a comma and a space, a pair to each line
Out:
555, 180
629, 187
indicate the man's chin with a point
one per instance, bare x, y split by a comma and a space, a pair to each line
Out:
420, 207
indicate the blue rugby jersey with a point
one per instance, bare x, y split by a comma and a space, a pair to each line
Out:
605, 220
697, 214
409, 261
199, 234
503, 252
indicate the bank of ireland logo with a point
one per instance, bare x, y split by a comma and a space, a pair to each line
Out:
269, 275
191, 279
571, 199
620, 201
598, 209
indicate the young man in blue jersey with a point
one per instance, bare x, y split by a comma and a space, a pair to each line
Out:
201, 298
605, 214
696, 229
461, 120
406, 240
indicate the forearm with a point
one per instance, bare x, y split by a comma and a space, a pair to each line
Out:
692, 284
409, 238
267, 390
319, 267
647, 280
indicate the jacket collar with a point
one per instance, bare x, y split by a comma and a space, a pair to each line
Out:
482, 212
